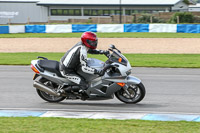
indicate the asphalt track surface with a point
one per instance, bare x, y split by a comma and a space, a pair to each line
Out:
169, 90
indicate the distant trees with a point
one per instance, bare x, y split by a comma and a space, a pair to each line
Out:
182, 17
148, 18
186, 2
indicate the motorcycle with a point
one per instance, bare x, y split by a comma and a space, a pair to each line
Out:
115, 80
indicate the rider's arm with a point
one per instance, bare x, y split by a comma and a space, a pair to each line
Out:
83, 60
94, 51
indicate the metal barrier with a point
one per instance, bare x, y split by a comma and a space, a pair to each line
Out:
72, 28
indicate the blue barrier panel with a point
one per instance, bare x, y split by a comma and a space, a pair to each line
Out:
197, 119
188, 28
20, 113
136, 27
4, 29
170, 117
35, 28
84, 27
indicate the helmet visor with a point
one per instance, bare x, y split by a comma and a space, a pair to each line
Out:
92, 43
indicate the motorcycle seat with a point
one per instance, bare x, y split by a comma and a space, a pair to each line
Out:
50, 65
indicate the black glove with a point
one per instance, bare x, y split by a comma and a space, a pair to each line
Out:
105, 52
101, 51
99, 72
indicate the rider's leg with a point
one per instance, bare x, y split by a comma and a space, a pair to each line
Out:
75, 78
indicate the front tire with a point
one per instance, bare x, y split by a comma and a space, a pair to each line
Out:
47, 97
137, 94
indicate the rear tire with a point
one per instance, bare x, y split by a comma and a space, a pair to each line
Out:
47, 97
137, 94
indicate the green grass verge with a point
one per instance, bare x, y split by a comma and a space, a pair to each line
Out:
137, 60
103, 35
64, 125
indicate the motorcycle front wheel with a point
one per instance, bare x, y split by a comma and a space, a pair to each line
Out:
48, 97
135, 94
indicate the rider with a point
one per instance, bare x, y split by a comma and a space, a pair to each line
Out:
77, 56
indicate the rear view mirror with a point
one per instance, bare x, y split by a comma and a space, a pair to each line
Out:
112, 46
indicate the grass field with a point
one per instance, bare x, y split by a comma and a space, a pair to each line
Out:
103, 35
64, 125
137, 60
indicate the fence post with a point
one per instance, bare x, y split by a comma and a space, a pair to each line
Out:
9, 21
178, 21
28, 20
124, 19
151, 19
135, 18
49, 20
99, 20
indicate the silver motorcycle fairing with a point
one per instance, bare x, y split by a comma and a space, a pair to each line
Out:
52, 76
100, 88
123, 69
126, 79
95, 63
109, 85
132, 80
56, 79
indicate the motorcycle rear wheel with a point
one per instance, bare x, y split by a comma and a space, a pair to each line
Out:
137, 94
47, 97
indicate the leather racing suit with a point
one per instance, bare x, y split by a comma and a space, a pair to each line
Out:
74, 58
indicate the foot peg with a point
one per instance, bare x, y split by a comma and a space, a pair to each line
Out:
84, 95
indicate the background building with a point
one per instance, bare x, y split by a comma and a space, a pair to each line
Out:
21, 11
36, 11
194, 8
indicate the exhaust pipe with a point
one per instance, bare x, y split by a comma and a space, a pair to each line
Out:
45, 88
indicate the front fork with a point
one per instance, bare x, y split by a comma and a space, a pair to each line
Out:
130, 80
125, 88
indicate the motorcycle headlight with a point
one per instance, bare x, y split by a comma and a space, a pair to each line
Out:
128, 72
